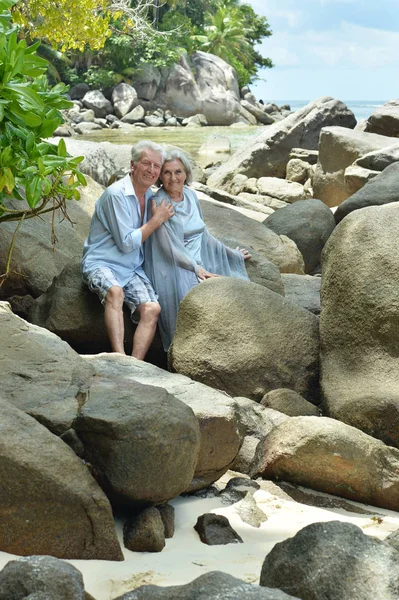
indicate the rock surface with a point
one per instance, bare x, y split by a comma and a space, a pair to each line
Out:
267, 155
49, 502
359, 323
385, 119
331, 457
303, 290
309, 223
333, 560
246, 340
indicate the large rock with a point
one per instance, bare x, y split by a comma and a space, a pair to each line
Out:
221, 437
333, 560
339, 147
326, 455
385, 119
146, 79
267, 154
142, 442
202, 83
46, 576
359, 323
309, 223
123, 99
280, 189
235, 229
41, 374
34, 261
49, 502
382, 189
210, 586
97, 102
246, 340
379, 159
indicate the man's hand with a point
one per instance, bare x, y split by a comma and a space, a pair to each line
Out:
162, 212
204, 274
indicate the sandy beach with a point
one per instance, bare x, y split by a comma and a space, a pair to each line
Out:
185, 557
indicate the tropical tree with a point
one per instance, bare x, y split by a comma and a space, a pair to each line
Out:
35, 176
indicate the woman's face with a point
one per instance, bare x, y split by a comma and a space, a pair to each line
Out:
173, 176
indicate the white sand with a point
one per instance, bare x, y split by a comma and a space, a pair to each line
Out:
185, 557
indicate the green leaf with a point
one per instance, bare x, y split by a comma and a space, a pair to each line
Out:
34, 191
30, 142
48, 127
62, 151
81, 178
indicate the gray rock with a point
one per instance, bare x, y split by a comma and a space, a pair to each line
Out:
197, 119
210, 586
123, 99
41, 577
233, 200
98, 102
167, 513
379, 159
356, 177
303, 290
78, 91
267, 155
280, 348
289, 403
249, 512
333, 560
235, 229
136, 469
145, 532
215, 530
333, 457
280, 189
358, 323
49, 502
309, 223
309, 156
339, 147
154, 121
385, 119
41, 374
380, 190
215, 411
146, 79
297, 170
257, 112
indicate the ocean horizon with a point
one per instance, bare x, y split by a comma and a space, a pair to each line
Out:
362, 109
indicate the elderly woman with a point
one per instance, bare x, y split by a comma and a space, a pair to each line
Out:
182, 253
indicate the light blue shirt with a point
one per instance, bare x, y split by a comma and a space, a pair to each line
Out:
115, 238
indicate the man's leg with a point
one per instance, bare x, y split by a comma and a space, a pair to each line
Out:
144, 334
113, 318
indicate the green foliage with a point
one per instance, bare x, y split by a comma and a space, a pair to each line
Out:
38, 175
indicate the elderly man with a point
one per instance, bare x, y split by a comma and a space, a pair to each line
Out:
113, 251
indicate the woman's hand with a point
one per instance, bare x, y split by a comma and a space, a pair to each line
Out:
245, 254
204, 274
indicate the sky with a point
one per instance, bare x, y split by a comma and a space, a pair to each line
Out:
348, 49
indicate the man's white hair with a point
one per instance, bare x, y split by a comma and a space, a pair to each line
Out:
143, 145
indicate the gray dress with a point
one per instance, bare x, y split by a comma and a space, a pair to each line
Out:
174, 252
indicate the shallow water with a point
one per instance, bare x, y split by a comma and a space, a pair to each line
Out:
189, 139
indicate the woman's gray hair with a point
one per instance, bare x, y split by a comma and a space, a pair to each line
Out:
177, 154
143, 145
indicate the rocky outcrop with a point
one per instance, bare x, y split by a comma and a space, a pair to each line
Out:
133, 467
290, 403
210, 586
221, 437
382, 189
333, 560
235, 229
385, 119
358, 325
309, 223
246, 340
339, 147
267, 155
380, 159
49, 502
46, 576
329, 456
41, 374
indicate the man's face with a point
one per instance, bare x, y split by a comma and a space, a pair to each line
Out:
146, 170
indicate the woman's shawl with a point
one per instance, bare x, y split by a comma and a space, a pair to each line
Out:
173, 253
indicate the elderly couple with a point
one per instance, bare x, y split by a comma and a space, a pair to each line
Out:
148, 251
